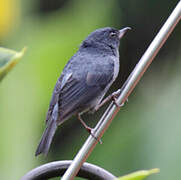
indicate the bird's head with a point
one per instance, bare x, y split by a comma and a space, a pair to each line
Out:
105, 37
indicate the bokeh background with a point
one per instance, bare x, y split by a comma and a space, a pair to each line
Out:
146, 132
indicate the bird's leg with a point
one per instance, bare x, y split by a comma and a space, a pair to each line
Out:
84, 124
87, 128
112, 97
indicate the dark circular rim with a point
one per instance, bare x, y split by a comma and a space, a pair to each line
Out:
58, 168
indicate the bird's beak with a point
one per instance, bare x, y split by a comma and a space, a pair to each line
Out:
123, 31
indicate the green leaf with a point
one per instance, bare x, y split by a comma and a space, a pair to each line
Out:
139, 175
8, 59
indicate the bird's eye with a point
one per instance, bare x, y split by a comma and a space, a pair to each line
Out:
112, 34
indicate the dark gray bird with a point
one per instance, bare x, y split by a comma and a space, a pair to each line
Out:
84, 81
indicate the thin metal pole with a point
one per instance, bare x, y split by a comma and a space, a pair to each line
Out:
128, 87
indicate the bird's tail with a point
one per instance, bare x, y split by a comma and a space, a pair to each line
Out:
48, 134
46, 139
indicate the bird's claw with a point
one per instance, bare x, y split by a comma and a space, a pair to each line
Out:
115, 95
91, 133
115, 102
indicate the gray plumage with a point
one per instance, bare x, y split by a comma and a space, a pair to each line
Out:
84, 81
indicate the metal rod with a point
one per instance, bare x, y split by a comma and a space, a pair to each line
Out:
128, 87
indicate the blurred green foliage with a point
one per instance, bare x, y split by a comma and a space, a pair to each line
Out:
139, 175
8, 59
146, 132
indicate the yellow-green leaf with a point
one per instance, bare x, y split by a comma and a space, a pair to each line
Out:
138, 175
8, 59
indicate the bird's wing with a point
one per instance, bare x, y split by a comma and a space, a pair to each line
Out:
98, 79
59, 85
78, 93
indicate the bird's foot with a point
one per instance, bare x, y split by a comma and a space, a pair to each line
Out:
92, 134
89, 129
115, 95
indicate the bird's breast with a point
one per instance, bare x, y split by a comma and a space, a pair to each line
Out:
116, 68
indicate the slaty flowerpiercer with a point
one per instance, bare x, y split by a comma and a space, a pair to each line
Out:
84, 81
